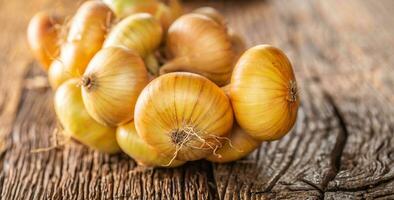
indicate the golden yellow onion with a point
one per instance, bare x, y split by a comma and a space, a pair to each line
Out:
140, 32
88, 30
263, 93
240, 144
78, 123
57, 74
43, 37
183, 115
134, 146
111, 85
198, 44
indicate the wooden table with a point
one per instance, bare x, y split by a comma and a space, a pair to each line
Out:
342, 145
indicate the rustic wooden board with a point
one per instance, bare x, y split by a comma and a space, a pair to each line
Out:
340, 148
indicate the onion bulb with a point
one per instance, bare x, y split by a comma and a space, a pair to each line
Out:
263, 93
198, 44
132, 144
57, 74
43, 35
240, 144
77, 122
88, 30
140, 32
183, 116
111, 84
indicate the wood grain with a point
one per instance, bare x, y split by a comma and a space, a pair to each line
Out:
340, 148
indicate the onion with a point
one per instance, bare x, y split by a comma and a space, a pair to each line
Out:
264, 93
183, 116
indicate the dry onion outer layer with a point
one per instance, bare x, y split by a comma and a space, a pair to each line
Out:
263, 93
111, 85
183, 115
134, 146
77, 122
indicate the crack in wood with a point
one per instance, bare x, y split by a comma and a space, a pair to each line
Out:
212, 180
363, 188
341, 140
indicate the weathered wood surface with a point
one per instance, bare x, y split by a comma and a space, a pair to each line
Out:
341, 148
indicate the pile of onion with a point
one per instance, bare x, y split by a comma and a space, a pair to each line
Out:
162, 86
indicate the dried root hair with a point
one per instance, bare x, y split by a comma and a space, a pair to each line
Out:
182, 136
59, 140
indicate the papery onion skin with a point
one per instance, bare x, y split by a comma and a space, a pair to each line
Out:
57, 74
211, 13
111, 85
181, 105
43, 35
88, 30
241, 145
139, 32
123, 8
198, 44
238, 43
78, 123
264, 93
166, 14
134, 146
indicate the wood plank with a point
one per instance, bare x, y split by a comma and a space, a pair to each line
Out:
382, 192
347, 74
321, 45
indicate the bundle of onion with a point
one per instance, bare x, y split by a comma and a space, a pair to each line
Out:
180, 116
